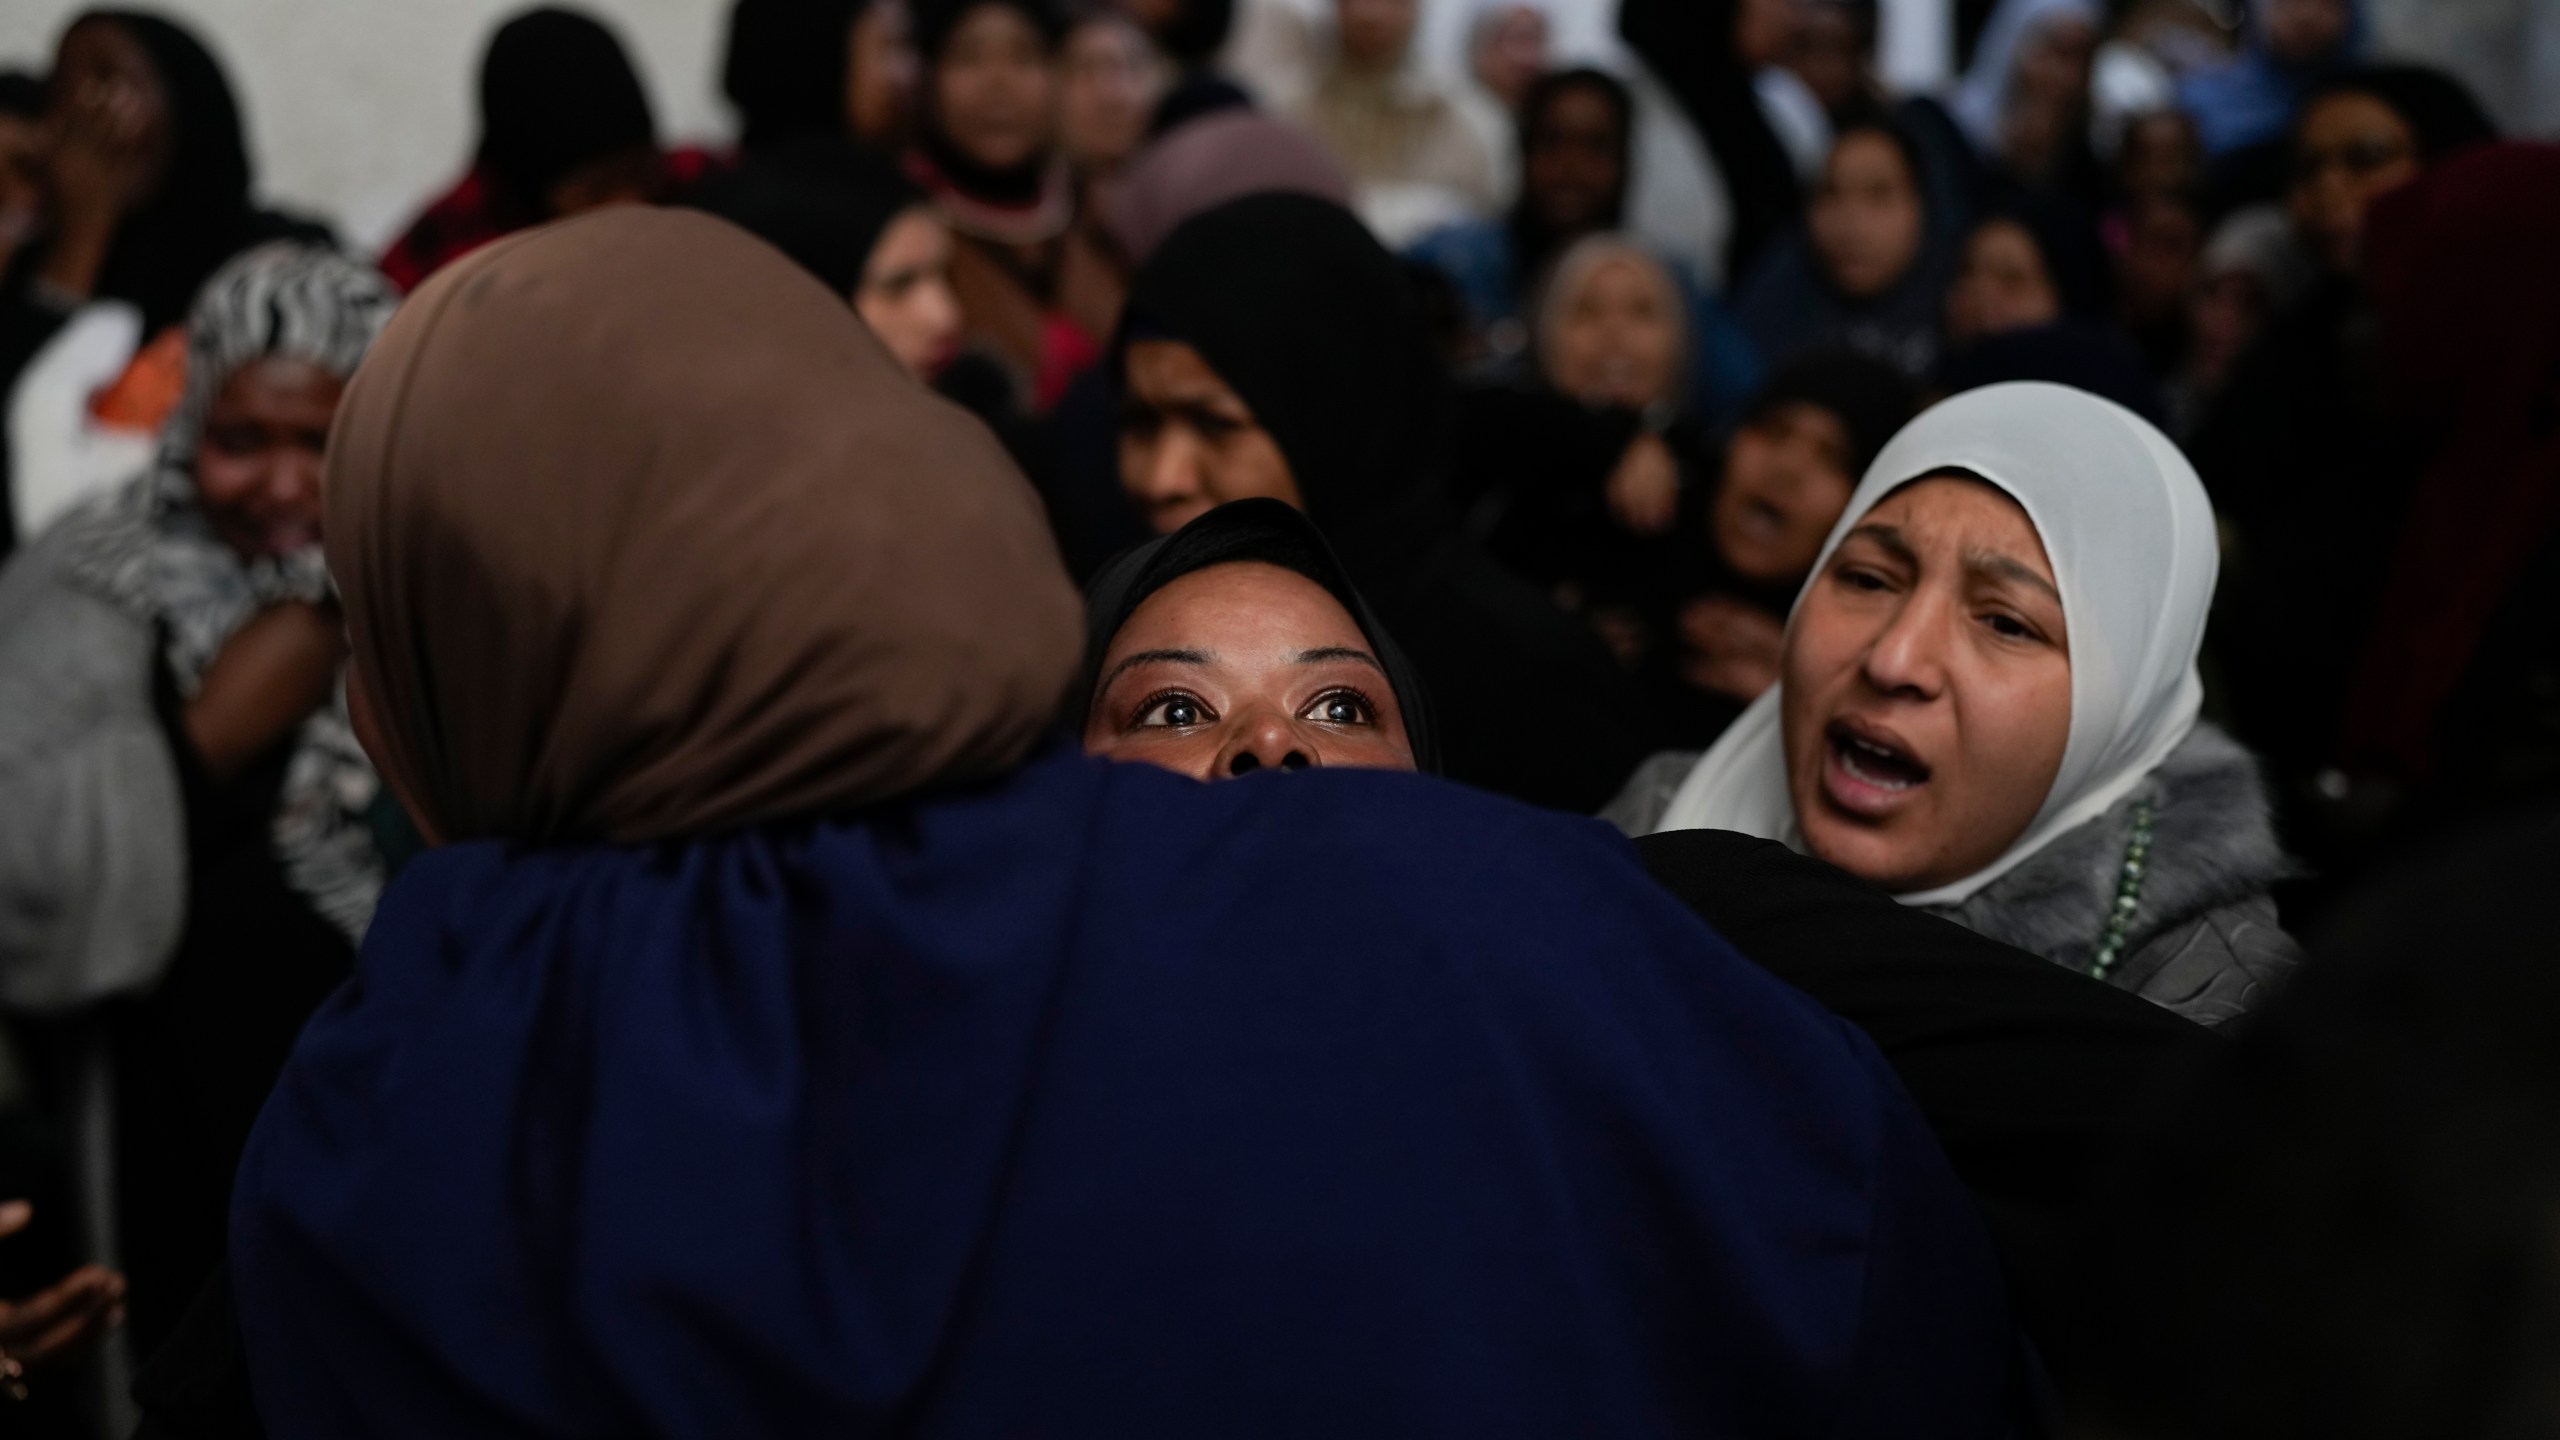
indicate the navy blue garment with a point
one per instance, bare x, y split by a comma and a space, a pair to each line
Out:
1098, 1102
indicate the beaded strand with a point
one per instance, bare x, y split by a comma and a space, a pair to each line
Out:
2128, 893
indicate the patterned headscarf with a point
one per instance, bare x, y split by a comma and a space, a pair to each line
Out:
151, 549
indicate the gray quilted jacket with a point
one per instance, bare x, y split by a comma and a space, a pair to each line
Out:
2204, 942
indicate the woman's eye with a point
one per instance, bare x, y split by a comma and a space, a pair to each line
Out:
1174, 712
1857, 579
1342, 707
2008, 627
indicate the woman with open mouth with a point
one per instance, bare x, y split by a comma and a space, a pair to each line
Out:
1988, 700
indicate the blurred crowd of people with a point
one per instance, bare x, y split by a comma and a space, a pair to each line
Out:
2101, 506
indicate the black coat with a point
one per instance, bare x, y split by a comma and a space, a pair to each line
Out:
2033, 1077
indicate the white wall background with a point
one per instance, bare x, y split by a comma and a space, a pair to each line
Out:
360, 110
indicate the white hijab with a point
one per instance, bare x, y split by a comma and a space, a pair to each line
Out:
1981, 103
2130, 535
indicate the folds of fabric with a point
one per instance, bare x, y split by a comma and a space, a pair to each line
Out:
1098, 1102
755, 576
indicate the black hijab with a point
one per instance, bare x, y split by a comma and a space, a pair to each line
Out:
1870, 398
787, 67
2078, 353
1533, 244
1197, 31
2438, 109
21, 95
1273, 533
556, 92
1300, 309
1314, 325
823, 201
200, 216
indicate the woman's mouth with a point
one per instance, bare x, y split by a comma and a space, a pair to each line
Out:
1868, 772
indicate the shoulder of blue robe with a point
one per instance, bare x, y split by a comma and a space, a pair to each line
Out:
1098, 1102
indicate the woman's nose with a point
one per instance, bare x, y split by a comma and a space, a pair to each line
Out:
1172, 467
1263, 743
294, 478
1905, 658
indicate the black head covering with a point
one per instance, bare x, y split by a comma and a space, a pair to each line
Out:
1275, 534
1533, 245
936, 19
1870, 398
2074, 257
1200, 93
823, 202
2078, 353
2439, 108
1197, 31
21, 94
787, 67
556, 92
200, 216
1300, 309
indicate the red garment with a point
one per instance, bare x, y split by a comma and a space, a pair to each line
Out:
472, 214
2462, 268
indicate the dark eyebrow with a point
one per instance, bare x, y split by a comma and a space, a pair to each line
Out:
1331, 653
1152, 657
2004, 568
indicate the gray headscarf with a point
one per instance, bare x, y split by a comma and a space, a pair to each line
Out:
150, 549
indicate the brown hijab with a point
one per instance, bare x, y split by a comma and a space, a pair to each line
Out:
642, 534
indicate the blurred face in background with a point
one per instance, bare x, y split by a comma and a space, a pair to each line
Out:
1764, 31
1511, 52
2348, 151
1188, 442
880, 74
1831, 52
1866, 218
1242, 667
1617, 334
1374, 33
1573, 171
1112, 81
2304, 31
905, 295
104, 86
2053, 63
2158, 266
1786, 480
2004, 284
2048, 98
995, 89
1927, 688
2226, 313
2163, 155
257, 465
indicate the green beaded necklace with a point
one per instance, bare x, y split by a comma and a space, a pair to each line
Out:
2128, 894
